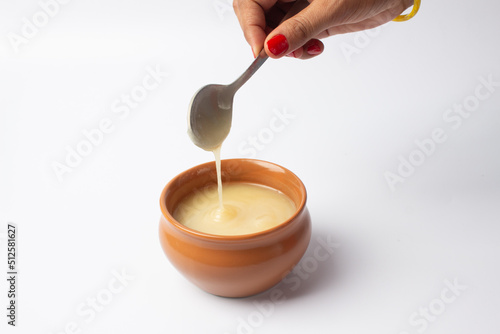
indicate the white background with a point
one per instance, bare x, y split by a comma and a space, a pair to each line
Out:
355, 115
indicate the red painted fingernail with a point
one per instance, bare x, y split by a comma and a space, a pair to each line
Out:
292, 54
313, 49
277, 45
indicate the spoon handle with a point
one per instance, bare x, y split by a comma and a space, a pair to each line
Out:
262, 57
256, 64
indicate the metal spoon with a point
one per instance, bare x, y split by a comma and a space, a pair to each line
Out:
211, 108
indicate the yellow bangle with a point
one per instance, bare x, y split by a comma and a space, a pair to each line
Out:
416, 6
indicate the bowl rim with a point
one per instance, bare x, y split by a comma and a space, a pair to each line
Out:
238, 237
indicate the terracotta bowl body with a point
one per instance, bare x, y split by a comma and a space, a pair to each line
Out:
242, 265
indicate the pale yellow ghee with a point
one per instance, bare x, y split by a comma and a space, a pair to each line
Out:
247, 208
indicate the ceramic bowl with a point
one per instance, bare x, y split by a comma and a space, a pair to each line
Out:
236, 265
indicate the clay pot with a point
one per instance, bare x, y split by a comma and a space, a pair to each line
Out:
240, 265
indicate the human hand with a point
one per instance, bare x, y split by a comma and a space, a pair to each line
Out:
299, 36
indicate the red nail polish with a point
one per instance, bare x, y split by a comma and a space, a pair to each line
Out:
277, 45
292, 55
313, 49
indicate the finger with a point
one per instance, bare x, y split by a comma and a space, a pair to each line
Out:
296, 53
311, 49
251, 16
299, 29
369, 23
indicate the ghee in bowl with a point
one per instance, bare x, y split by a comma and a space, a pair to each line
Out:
246, 208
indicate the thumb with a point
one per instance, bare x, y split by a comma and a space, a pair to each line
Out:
293, 33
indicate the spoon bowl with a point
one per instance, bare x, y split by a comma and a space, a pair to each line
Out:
209, 119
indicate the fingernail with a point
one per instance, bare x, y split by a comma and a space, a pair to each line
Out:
277, 45
313, 49
292, 54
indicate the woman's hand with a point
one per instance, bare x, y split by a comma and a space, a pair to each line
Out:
299, 36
